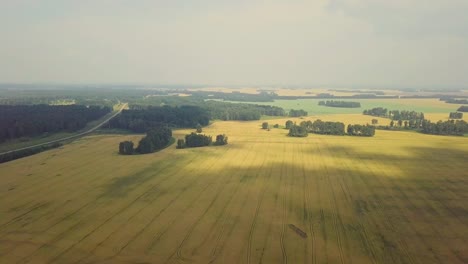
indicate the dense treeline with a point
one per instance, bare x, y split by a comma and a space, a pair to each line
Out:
194, 140
456, 115
361, 130
27, 152
344, 104
155, 139
463, 108
142, 120
450, 127
297, 113
31, 120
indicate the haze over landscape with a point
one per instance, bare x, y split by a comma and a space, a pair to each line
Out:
325, 43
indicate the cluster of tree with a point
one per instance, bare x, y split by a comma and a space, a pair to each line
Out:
449, 127
298, 131
345, 104
456, 115
463, 108
194, 140
361, 130
26, 152
297, 113
155, 139
141, 120
32, 120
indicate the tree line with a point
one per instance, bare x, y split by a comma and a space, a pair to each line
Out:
344, 104
155, 139
18, 121
328, 128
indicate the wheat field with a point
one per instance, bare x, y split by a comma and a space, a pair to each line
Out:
398, 197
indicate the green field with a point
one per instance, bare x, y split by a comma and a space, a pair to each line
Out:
398, 197
419, 105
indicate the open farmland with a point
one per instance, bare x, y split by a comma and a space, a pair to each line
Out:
398, 197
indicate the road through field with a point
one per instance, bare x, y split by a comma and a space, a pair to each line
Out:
399, 197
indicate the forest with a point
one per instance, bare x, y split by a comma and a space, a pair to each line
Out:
19, 121
344, 104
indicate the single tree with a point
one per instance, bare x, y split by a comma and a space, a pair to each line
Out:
180, 143
265, 125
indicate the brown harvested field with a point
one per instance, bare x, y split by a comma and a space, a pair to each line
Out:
399, 197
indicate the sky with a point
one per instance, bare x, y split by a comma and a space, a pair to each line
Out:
320, 43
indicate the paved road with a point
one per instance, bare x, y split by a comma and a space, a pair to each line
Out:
74, 136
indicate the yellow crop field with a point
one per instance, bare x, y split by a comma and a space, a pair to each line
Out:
398, 197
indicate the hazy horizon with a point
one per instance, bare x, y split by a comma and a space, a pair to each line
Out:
333, 44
